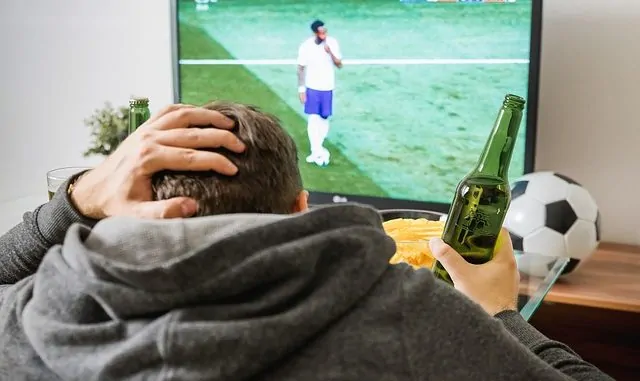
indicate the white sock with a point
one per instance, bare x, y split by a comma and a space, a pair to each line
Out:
314, 128
323, 130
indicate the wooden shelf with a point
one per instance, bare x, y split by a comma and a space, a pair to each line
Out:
610, 279
595, 311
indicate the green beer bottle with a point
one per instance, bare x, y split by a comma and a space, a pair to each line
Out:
483, 196
138, 113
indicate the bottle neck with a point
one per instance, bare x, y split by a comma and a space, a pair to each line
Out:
496, 156
137, 116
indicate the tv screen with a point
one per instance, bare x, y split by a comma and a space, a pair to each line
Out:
390, 101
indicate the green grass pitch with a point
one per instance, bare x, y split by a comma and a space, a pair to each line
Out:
402, 131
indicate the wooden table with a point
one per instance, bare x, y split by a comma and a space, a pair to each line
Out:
610, 280
596, 311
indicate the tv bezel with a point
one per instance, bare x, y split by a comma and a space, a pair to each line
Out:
317, 197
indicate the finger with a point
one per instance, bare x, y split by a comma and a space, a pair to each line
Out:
200, 138
167, 109
504, 247
453, 262
178, 207
185, 159
192, 116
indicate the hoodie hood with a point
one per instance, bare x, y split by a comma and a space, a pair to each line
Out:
213, 298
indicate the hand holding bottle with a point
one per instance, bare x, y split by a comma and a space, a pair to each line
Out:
482, 197
493, 285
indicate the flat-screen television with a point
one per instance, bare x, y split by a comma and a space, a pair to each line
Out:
390, 101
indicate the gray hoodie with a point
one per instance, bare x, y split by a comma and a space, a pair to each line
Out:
254, 297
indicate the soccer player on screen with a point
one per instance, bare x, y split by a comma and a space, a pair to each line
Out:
318, 56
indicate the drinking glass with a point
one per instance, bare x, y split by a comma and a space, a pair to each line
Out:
58, 176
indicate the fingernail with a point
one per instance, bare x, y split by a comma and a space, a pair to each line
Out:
232, 169
189, 208
230, 122
436, 245
240, 145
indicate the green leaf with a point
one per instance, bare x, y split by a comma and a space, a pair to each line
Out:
109, 127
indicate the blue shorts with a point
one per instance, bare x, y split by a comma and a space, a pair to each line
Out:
319, 102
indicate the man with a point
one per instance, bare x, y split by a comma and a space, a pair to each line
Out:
287, 294
318, 56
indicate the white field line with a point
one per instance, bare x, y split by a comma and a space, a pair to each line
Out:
390, 61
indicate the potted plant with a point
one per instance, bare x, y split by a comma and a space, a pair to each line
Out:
109, 127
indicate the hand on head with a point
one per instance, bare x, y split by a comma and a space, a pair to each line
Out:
121, 185
493, 285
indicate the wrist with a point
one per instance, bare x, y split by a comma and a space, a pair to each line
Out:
501, 308
80, 195
502, 311
56, 216
505, 313
302, 89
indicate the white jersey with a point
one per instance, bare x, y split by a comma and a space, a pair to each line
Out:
319, 67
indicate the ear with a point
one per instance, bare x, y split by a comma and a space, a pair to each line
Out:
302, 202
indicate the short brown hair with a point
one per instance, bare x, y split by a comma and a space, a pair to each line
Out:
268, 178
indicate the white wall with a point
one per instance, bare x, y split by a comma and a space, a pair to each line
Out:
588, 123
59, 61
62, 59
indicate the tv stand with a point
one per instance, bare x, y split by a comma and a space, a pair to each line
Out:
596, 311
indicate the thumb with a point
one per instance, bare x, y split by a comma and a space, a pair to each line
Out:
176, 207
453, 262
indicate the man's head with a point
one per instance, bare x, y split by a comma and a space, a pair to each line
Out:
268, 178
318, 28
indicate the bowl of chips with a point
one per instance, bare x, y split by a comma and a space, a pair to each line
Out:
411, 230
392, 214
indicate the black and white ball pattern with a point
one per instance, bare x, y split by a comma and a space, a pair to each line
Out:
552, 215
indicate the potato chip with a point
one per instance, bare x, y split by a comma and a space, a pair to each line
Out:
412, 237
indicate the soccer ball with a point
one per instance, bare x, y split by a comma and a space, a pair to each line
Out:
535, 264
552, 215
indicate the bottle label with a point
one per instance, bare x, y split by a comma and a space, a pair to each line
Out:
478, 220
